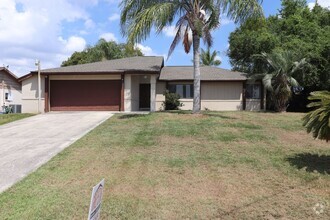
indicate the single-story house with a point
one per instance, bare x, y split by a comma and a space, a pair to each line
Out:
10, 90
136, 84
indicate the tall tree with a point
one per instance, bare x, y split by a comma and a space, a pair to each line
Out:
209, 58
103, 50
318, 120
279, 80
297, 28
196, 19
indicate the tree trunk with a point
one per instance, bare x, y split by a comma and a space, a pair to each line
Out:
197, 75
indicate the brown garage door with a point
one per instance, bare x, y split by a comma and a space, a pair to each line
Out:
85, 95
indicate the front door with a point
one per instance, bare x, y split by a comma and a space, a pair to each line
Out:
145, 97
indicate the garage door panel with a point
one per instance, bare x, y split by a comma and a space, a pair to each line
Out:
73, 95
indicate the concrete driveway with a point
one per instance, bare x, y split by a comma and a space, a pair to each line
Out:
27, 144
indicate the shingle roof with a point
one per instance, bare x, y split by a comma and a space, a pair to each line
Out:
131, 64
208, 73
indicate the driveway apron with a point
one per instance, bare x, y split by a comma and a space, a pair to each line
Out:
27, 144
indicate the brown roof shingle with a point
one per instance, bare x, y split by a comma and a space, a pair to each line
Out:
208, 73
131, 64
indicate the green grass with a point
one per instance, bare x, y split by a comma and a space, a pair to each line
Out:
219, 165
6, 118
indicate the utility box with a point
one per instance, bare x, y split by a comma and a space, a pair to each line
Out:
16, 108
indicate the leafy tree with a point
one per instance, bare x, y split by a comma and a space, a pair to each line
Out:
209, 58
279, 80
296, 28
196, 19
103, 50
318, 120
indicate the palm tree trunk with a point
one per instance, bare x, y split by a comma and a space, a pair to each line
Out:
197, 75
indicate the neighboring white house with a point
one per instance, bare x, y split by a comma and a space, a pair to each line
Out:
10, 90
136, 84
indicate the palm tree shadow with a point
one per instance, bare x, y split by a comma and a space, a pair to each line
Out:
128, 116
219, 116
311, 162
207, 113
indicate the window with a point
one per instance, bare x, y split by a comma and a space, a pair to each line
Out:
8, 97
186, 91
253, 91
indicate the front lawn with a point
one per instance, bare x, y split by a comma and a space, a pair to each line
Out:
227, 165
6, 118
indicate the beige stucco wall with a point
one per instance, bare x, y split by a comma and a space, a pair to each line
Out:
222, 96
160, 98
216, 96
30, 95
135, 90
16, 96
9, 85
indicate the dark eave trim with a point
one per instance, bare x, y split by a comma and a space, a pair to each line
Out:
189, 80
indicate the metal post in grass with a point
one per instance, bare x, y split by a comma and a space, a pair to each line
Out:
96, 199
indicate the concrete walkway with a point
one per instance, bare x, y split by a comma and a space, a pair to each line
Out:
27, 144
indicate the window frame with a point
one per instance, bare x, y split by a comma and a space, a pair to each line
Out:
173, 88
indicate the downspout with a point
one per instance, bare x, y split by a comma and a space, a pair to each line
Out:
39, 89
3, 94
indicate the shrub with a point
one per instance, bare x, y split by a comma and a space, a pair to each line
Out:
172, 101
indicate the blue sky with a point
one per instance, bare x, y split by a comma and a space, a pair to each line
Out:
52, 30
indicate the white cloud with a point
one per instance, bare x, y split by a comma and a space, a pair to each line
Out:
89, 24
225, 21
147, 51
114, 17
170, 31
109, 37
323, 3
30, 29
73, 44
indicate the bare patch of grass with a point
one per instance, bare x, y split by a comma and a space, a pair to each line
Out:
226, 165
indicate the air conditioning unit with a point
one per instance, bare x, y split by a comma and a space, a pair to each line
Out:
16, 108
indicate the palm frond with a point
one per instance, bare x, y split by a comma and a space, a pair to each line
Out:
208, 58
317, 121
138, 17
239, 11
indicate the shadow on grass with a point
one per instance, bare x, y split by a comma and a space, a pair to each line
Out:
311, 162
128, 116
180, 112
219, 116
186, 112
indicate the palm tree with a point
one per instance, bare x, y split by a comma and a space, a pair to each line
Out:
208, 58
196, 19
318, 120
279, 78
